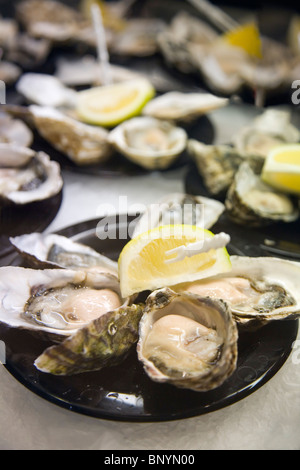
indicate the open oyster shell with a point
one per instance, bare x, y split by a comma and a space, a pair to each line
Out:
148, 142
55, 303
271, 128
253, 203
27, 176
182, 107
258, 290
178, 208
81, 143
56, 251
187, 340
103, 342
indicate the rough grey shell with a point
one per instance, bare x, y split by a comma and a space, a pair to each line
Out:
274, 281
56, 251
103, 342
220, 341
216, 164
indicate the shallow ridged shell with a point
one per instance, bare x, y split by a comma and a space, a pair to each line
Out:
56, 251
211, 313
148, 142
20, 286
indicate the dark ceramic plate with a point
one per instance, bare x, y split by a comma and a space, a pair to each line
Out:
125, 392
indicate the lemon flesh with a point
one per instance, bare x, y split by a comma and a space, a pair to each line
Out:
282, 168
142, 263
247, 37
110, 105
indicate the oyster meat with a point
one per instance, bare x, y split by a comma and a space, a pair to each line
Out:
56, 251
27, 176
184, 107
81, 143
253, 203
103, 342
56, 302
148, 142
187, 340
180, 209
258, 290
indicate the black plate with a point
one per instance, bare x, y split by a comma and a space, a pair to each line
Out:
125, 392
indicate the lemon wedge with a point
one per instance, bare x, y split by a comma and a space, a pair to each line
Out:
142, 262
247, 37
110, 105
282, 168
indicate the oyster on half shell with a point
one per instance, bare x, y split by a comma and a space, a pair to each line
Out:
27, 176
148, 142
56, 302
258, 290
187, 340
180, 209
253, 203
56, 251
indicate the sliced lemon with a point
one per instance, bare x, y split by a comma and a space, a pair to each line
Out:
110, 105
247, 37
142, 262
282, 168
